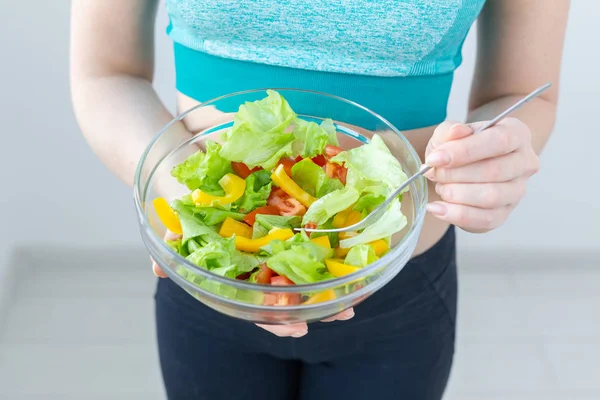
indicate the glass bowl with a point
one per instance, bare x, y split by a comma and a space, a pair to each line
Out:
355, 125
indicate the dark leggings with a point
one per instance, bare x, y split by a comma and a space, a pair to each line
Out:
399, 345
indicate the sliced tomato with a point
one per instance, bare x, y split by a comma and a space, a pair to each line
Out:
311, 225
284, 299
242, 170
287, 205
281, 281
250, 218
320, 160
331, 150
244, 276
269, 299
265, 274
288, 163
336, 171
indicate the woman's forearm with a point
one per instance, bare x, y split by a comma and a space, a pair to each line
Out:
119, 115
539, 115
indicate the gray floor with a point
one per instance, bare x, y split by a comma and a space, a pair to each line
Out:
528, 329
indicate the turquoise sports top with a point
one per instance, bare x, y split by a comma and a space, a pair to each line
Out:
395, 57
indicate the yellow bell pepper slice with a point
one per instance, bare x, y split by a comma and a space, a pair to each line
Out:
346, 218
322, 241
232, 227
337, 267
341, 252
353, 217
234, 188
254, 245
340, 218
167, 216
380, 246
327, 295
286, 183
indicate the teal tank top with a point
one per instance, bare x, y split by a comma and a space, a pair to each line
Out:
395, 57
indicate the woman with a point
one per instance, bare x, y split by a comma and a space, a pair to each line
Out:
394, 57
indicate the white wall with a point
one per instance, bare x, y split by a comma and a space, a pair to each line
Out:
55, 192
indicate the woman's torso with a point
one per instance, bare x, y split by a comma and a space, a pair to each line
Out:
409, 48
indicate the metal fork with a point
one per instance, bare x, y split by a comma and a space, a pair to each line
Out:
380, 210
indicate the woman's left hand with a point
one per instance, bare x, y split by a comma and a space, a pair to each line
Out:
480, 178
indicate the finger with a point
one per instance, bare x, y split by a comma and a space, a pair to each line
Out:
157, 270
471, 219
172, 236
498, 169
294, 330
482, 195
445, 132
343, 316
493, 142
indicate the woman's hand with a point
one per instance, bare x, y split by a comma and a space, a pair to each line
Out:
480, 178
299, 330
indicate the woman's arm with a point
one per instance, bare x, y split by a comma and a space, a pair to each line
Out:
482, 178
112, 63
520, 46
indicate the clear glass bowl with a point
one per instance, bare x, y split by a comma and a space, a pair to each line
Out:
355, 125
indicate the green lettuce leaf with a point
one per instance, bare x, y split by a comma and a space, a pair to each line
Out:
221, 258
299, 265
360, 256
328, 126
203, 170
258, 136
278, 221
391, 221
258, 188
175, 245
298, 241
194, 228
259, 231
209, 215
370, 198
327, 206
310, 177
214, 216
371, 165
312, 138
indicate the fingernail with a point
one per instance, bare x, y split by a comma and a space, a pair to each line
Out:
436, 209
430, 175
347, 317
299, 334
438, 159
438, 188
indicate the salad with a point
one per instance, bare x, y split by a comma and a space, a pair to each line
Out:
274, 172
